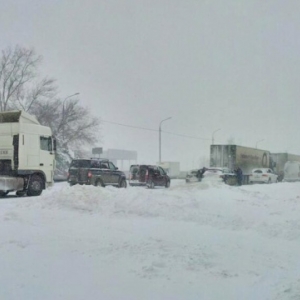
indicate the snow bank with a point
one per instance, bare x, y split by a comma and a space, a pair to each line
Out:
191, 241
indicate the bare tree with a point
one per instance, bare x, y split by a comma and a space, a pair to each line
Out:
18, 66
73, 125
37, 91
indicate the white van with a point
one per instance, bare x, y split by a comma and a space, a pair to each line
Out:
292, 171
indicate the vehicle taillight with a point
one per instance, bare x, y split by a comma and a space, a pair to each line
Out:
265, 175
89, 174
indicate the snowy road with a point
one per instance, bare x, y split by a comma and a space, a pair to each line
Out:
194, 241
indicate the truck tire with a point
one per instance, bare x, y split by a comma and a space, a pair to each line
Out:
3, 193
20, 193
35, 186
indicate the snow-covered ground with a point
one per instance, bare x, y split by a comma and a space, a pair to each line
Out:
191, 241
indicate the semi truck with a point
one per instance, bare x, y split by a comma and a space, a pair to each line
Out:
27, 154
292, 171
280, 160
232, 156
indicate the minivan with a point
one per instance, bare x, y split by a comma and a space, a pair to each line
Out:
148, 175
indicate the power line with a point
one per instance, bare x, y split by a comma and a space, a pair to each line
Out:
137, 127
150, 129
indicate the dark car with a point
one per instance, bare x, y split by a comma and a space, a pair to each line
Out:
148, 175
98, 172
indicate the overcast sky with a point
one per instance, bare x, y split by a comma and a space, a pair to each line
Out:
215, 64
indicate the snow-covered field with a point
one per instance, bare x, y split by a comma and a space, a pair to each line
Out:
192, 241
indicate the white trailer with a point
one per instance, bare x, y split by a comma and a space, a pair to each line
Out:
292, 171
27, 154
172, 168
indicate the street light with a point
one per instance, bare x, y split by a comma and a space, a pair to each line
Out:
258, 142
160, 137
212, 139
63, 115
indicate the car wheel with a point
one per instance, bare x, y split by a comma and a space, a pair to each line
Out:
36, 186
168, 184
269, 181
3, 193
123, 184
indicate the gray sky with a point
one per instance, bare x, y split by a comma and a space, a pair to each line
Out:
209, 64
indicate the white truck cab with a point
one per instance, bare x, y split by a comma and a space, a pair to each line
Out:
292, 171
27, 154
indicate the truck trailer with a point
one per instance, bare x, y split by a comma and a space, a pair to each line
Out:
27, 154
171, 167
280, 159
233, 156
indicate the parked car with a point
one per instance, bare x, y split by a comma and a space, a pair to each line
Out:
98, 172
191, 176
263, 175
148, 175
219, 174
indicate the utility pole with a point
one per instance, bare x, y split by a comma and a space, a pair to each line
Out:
159, 142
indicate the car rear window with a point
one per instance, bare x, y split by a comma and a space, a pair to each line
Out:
257, 171
134, 169
80, 163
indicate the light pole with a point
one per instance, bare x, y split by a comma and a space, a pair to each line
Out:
258, 142
63, 115
212, 138
160, 136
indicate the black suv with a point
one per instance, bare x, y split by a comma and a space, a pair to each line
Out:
98, 172
148, 175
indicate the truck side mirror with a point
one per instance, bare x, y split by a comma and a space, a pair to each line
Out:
54, 144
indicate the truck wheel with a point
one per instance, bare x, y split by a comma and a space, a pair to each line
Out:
20, 193
3, 193
123, 184
35, 186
